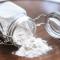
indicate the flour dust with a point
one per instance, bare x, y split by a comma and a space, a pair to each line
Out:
31, 46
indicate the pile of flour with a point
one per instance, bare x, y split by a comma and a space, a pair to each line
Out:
31, 46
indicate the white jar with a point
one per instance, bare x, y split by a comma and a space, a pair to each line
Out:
8, 13
12, 17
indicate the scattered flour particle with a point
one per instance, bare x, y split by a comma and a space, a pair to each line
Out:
31, 46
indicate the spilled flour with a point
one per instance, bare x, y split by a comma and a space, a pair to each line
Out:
31, 46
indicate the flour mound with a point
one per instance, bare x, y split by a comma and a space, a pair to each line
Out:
31, 46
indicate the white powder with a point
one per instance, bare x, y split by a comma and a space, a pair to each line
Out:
31, 46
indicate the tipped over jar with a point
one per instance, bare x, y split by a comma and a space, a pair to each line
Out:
14, 21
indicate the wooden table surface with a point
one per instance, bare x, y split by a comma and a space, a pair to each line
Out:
34, 8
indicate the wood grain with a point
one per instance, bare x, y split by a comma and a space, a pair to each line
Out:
34, 8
